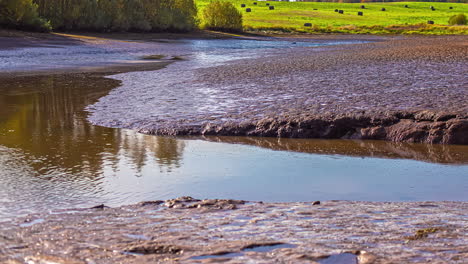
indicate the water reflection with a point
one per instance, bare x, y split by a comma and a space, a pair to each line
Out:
47, 144
43, 116
437, 153
51, 157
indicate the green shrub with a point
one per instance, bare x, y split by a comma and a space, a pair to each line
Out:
21, 14
120, 15
459, 19
222, 16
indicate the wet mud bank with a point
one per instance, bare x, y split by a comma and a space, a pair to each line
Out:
187, 230
402, 89
419, 127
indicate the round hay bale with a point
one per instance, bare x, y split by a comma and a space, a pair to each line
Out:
267, 4
383, 9
248, 10
242, 5
363, 7
336, 10
406, 6
255, 3
451, 7
307, 24
271, 8
430, 22
340, 11
360, 13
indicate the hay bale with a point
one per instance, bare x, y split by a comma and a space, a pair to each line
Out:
271, 8
248, 10
451, 7
315, 9
242, 5
430, 22
267, 4
307, 24
255, 3
363, 7
340, 11
360, 13
336, 10
406, 6
383, 9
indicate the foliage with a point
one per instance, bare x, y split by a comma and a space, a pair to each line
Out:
397, 19
224, 16
120, 15
21, 14
459, 19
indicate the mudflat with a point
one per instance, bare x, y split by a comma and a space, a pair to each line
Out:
395, 88
411, 89
187, 230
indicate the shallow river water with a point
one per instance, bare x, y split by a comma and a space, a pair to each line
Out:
51, 157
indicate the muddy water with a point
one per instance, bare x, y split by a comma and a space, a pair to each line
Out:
51, 157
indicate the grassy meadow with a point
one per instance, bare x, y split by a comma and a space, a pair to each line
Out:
291, 16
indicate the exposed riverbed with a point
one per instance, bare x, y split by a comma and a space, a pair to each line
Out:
52, 158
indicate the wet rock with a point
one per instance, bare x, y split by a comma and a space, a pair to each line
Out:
364, 257
145, 203
316, 203
150, 248
100, 206
216, 204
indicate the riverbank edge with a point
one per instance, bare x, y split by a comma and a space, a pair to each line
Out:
411, 127
188, 230
397, 126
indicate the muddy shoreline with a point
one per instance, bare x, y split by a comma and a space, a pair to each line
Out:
308, 94
186, 230
401, 89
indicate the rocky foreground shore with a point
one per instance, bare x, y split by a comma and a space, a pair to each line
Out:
187, 230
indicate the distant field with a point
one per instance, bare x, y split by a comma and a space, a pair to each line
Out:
291, 16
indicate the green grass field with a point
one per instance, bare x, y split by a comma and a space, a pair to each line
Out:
291, 16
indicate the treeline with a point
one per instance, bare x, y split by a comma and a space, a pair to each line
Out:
384, 1
21, 14
119, 15
106, 15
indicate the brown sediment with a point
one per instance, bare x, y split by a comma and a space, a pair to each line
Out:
410, 89
251, 232
443, 128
